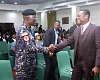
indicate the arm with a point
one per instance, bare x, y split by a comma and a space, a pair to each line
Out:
13, 50
27, 46
23, 46
96, 69
97, 41
65, 43
20, 44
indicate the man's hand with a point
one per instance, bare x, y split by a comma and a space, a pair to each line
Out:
96, 70
52, 48
50, 54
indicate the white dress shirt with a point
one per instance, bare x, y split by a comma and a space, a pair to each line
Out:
56, 36
4, 39
85, 26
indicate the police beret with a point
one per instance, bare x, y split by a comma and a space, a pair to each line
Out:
29, 12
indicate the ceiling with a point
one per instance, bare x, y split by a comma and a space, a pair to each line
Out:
24, 2
62, 4
55, 2
48, 5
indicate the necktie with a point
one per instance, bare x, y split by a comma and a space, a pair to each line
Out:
82, 30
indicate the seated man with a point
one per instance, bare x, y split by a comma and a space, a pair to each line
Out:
3, 37
13, 50
38, 42
13, 38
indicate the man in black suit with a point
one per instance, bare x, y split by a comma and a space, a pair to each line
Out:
13, 38
75, 25
72, 28
51, 37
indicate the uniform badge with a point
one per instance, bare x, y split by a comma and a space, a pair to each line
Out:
26, 38
24, 34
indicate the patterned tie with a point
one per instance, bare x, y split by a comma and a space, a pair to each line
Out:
82, 30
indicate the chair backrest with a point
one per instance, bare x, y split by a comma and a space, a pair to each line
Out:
40, 58
67, 49
72, 57
3, 46
5, 70
63, 60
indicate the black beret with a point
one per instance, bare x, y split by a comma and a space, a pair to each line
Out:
29, 12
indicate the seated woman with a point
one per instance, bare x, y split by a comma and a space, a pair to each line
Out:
13, 50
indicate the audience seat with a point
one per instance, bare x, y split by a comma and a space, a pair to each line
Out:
3, 50
40, 66
5, 70
67, 49
64, 65
11, 58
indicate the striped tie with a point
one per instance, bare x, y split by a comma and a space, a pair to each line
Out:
82, 30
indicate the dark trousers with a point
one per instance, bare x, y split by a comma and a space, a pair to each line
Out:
51, 63
81, 70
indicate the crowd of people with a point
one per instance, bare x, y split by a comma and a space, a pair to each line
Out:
8, 36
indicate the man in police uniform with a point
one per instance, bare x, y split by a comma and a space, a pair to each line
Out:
25, 61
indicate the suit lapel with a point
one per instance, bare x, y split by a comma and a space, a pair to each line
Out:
78, 32
86, 32
53, 34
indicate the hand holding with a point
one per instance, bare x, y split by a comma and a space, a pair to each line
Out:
50, 54
52, 48
96, 70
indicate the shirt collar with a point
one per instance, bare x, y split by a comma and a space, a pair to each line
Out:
86, 25
14, 39
76, 26
26, 26
56, 31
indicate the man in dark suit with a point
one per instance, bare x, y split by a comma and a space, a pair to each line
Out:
75, 25
51, 37
86, 47
72, 28
13, 38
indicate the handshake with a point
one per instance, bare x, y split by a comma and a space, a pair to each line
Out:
52, 48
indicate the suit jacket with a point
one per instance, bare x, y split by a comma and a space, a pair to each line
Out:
49, 37
90, 44
71, 32
72, 29
11, 40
